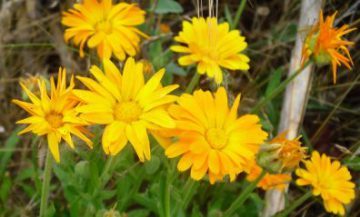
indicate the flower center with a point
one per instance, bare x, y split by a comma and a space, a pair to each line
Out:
127, 111
104, 26
207, 52
55, 120
216, 138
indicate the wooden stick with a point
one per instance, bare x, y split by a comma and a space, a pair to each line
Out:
296, 95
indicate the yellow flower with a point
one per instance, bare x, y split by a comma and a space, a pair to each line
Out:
126, 105
324, 42
211, 45
211, 137
109, 28
54, 116
328, 179
269, 181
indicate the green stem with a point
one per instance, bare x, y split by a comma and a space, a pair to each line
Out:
189, 190
103, 176
167, 198
279, 89
243, 196
165, 194
103, 180
46, 184
294, 205
194, 81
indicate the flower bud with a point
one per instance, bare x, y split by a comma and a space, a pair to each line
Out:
280, 154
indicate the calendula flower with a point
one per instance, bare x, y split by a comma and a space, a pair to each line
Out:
211, 46
330, 180
211, 138
126, 105
281, 154
290, 152
269, 181
55, 115
325, 43
111, 29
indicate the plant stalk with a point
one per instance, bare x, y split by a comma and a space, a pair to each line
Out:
194, 81
167, 197
243, 196
189, 189
46, 184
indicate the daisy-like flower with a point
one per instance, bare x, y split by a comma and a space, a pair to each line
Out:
328, 179
126, 105
211, 137
54, 116
325, 43
281, 154
269, 181
111, 29
211, 45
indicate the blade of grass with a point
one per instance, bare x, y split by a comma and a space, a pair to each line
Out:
10, 145
238, 14
243, 196
330, 115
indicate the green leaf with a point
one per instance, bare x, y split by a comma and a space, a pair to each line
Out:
145, 201
5, 188
252, 207
175, 69
138, 213
168, 6
274, 81
353, 163
82, 169
106, 194
288, 34
153, 165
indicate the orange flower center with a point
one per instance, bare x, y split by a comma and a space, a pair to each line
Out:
127, 111
216, 138
55, 120
104, 26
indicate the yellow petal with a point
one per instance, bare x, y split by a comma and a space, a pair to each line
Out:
114, 138
53, 141
159, 117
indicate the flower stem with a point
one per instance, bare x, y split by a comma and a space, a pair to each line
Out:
104, 178
194, 81
279, 89
46, 184
294, 205
167, 198
243, 196
188, 192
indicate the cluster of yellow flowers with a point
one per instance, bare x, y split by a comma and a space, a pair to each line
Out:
211, 138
